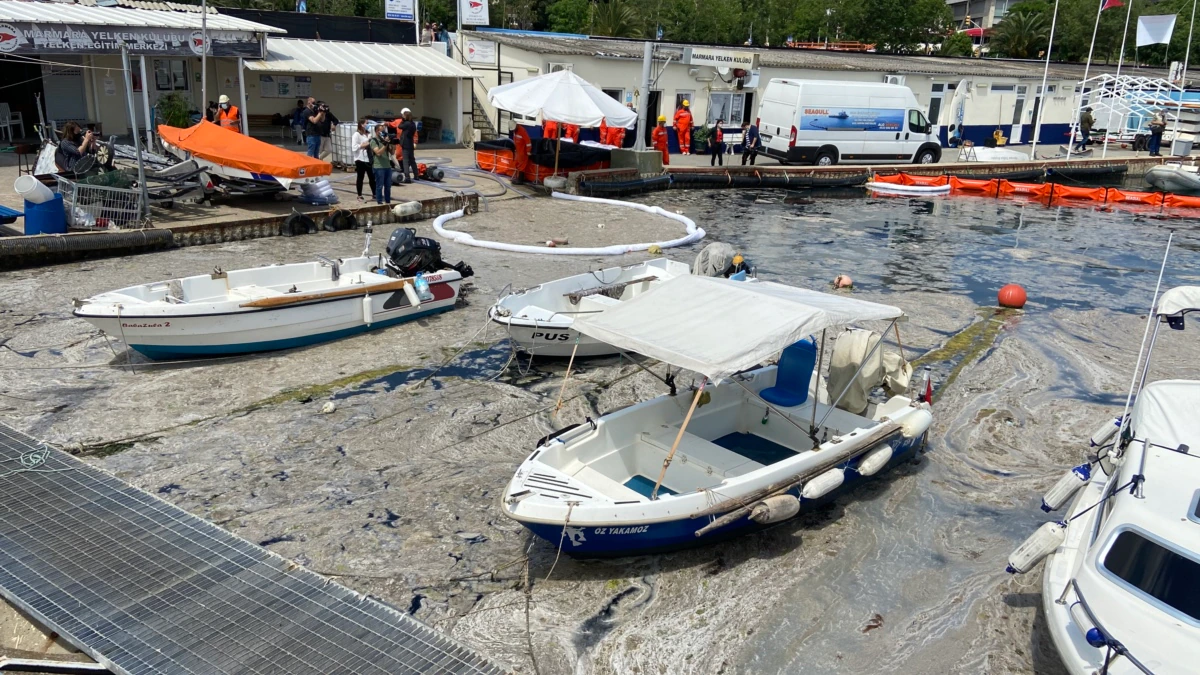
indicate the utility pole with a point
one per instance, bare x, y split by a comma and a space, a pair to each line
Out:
644, 98
203, 56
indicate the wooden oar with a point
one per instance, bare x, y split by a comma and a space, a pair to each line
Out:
293, 298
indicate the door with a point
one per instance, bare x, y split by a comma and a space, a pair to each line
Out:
1033, 114
62, 85
878, 125
652, 113
1018, 113
914, 133
936, 99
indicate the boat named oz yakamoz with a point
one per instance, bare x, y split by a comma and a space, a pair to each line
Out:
748, 448
279, 306
1121, 587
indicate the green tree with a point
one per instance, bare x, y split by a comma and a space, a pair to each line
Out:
570, 16
895, 26
1021, 36
957, 44
616, 18
1031, 7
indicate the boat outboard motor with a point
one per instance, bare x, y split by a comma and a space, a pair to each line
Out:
409, 254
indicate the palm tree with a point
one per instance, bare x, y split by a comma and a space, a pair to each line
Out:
616, 18
1021, 35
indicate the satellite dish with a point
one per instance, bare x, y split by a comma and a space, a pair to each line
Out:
723, 70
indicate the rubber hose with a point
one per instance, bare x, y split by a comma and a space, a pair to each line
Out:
96, 241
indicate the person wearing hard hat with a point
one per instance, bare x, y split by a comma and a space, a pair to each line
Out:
228, 116
683, 127
658, 138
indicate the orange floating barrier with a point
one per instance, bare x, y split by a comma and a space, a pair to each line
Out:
1008, 187
1132, 197
1082, 193
925, 180
974, 184
1181, 201
892, 178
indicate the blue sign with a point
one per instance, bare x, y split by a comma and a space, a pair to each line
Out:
852, 119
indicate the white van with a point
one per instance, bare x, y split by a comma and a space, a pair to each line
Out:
824, 122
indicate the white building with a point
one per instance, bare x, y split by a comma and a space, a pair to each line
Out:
1003, 95
76, 50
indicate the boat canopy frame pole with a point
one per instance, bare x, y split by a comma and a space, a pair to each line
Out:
850, 383
1120, 62
678, 437
1145, 334
1082, 84
1183, 77
146, 104
812, 426
1040, 98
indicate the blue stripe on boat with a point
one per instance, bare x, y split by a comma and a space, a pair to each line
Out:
640, 539
163, 352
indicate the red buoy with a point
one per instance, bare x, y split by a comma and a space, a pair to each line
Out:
1011, 296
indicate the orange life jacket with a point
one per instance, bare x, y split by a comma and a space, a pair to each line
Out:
230, 119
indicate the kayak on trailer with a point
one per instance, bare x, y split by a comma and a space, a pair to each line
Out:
279, 306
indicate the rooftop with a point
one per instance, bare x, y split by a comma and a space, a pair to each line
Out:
88, 13
816, 59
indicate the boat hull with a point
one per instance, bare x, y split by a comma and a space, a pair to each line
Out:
162, 337
613, 540
1171, 179
555, 342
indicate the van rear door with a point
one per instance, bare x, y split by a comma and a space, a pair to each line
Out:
777, 115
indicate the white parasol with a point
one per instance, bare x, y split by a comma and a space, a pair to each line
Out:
564, 97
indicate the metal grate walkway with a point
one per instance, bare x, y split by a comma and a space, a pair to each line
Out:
143, 586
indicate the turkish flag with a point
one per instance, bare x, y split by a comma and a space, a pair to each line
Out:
1108, 4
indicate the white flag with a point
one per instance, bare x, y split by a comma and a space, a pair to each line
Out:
1155, 30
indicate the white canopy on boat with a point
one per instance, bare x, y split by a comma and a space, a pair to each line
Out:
562, 96
1165, 413
1179, 300
718, 327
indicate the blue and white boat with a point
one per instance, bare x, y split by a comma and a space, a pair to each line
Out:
1119, 590
749, 447
279, 306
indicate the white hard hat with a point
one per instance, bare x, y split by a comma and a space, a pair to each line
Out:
223, 99
405, 111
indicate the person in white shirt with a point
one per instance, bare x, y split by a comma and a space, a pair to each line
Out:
359, 143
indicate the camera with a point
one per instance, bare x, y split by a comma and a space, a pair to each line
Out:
322, 106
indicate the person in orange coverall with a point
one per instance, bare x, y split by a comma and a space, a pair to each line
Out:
550, 129
572, 132
658, 138
683, 127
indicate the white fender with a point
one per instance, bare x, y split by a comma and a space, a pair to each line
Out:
915, 423
1066, 487
874, 460
1106, 431
1044, 541
823, 484
368, 313
406, 209
775, 509
411, 293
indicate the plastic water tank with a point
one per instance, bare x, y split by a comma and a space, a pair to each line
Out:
47, 217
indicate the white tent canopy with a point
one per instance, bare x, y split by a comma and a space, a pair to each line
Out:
562, 96
1178, 301
718, 327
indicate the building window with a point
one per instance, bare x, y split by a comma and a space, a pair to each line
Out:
170, 75
1003, 88
390, 87
617, 95
726, 106
555, 67
682, 95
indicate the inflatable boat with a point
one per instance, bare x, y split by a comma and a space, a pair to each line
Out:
1176, 178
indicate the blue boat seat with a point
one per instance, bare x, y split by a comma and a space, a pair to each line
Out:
793, 376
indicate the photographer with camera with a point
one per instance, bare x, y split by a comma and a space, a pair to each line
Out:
314, 118
381, 163
73, 146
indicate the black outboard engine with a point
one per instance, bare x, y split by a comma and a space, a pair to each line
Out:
409, 254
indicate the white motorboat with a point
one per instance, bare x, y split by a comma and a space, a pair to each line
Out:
1119, 588
279, 306
898, 189
751, 446
540, 319
1175, 177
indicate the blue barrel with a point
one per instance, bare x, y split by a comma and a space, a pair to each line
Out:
47, 217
